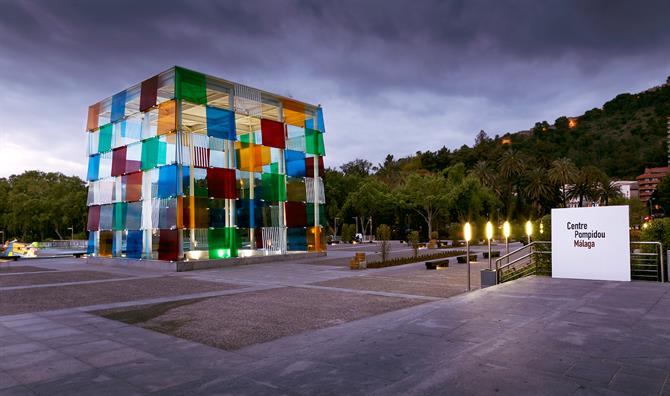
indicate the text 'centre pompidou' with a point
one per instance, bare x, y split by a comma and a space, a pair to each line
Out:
188, 166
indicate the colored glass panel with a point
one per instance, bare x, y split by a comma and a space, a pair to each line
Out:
93, 223
314, 142
167, 181
222, 242
190, 86
90, 246
295, 163
93, 167
315, 240
273, 133
134, 215
322, 215
274, 187
296, 239
134, 157
133, 183
296, 214
119, 216
167, 213
148, 93
252, 157
168, 245
294, 113
118, 106
217, 213
154, 152
105, 142
105, 244
93, 115
119, 161
221, 183
134, 244
106, 216
320, 124
309, 162
249, 213
221, 123
295, 189
167, 117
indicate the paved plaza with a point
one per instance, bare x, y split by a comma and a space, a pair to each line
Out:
297, 328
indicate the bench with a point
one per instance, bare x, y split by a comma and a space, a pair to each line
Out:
493, 254
435, 264
462, 259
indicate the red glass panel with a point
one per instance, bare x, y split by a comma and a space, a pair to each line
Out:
273, 134
119, 161
93, 218
221, 183
148, 93
168, 245
309, 164
296, 214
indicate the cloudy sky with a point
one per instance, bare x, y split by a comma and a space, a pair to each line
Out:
393, 76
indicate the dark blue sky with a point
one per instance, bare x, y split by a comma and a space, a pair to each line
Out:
392, 76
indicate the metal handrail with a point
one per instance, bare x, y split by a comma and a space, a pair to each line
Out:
660, 255
530, 246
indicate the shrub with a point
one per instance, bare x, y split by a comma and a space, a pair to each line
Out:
407, 260
658, 230
413, 239
347, 232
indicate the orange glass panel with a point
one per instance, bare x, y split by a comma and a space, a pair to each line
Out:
93, 114
294, 113
315, 240
167, 117
252, 157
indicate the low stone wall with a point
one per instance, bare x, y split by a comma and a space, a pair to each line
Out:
180, 266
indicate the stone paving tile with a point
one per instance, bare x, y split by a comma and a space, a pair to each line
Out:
90, 382
53, 277
116, 356
20, 349
91, 347
48, 370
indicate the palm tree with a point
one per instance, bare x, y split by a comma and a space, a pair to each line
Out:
586, 185
511, 167
608, 190
539, 190
483, 172
563, 172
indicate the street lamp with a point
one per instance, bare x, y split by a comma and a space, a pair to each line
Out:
529, 230
489, 235
507, 231
336, 219
467, 235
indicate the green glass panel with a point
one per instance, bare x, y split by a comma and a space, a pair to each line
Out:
150, 153
222, 242
191, 86
322, 215
274, 167
105, 142
314, 142
120, 209
274, 187
162, 152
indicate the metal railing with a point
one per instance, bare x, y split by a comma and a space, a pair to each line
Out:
646, 261
522, 261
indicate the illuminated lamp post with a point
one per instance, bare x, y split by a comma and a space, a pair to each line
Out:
507, 231
467, 235
529, 230
489, 235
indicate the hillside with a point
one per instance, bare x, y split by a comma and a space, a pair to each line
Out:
623, 137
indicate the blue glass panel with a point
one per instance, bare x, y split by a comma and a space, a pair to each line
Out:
90, 248
93, 167
134, 215
167, 181
295, 163
221, 123
134, 244
249, 213
296, 238
118, 106
217, 213
320, 125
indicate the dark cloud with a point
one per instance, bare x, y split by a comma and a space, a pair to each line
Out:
458, 66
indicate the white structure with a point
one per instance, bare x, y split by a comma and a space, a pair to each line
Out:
629, 188
590, 243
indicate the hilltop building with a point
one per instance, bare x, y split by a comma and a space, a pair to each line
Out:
186, 166
629, 189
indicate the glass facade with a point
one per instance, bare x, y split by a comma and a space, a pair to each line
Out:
188, 166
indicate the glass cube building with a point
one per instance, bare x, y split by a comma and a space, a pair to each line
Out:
186, 166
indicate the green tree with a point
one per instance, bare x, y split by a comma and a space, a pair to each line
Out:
662, 195
427, 195
607, 191
539, 190
413, 239
563, 172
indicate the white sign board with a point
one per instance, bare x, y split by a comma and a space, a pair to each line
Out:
590, 243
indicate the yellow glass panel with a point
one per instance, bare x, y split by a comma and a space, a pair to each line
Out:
167, 117
294, 113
